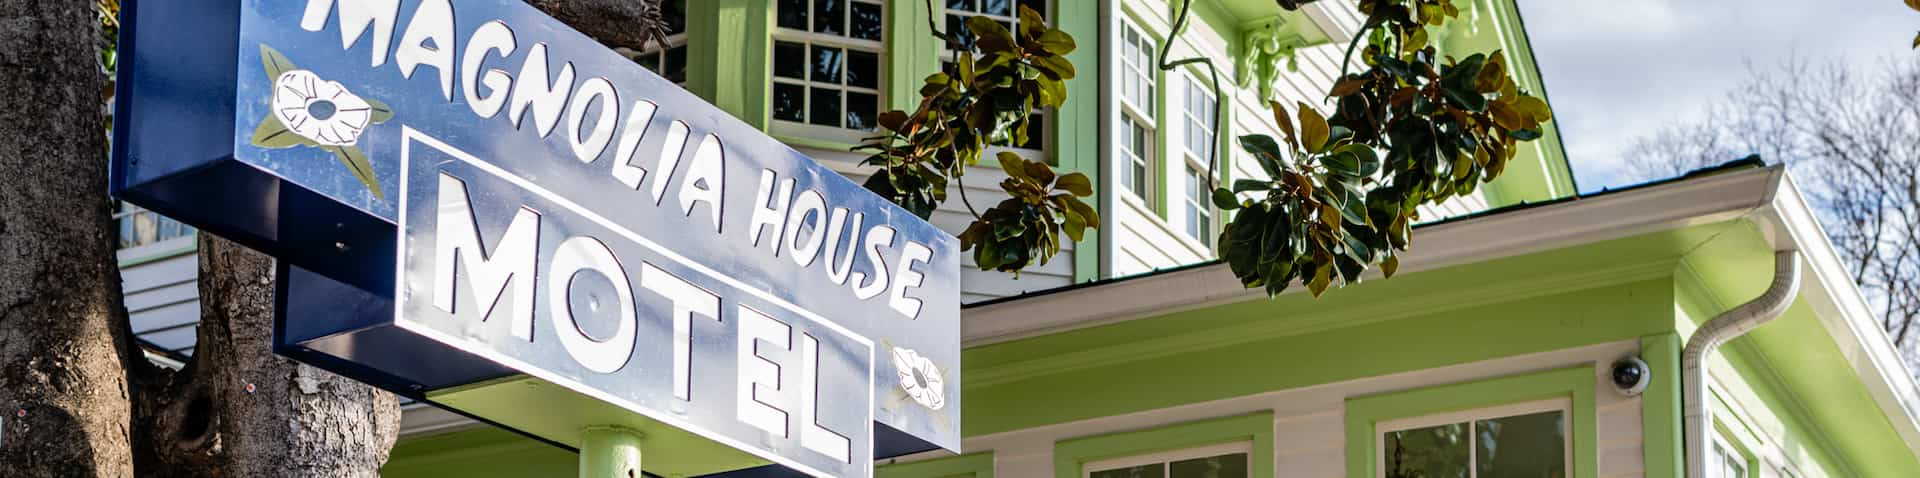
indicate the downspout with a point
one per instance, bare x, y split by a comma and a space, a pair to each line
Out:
1728, 326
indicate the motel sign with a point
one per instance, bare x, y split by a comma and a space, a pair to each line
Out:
476, 206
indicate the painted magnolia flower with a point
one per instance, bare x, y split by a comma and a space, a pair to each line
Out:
920, 378
319, 110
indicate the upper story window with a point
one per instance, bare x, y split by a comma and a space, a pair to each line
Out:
670, 60
1726, 462
1517, 440
1199, 110
1137, 126
828, 67
1230, 460
1006, 12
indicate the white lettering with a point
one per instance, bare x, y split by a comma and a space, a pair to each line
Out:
836, 229
908, 278
638, 119
880, 236
770, 209
432, 22
512, 259
581, 254
535, 93
669, 158
812, 435
688, 299
753, 408
491, 36
808, 204
705, 180
594, 91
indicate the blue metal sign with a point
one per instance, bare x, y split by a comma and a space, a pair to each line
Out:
469, 193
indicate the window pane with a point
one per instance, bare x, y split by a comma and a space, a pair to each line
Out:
1156, 470
862, 109
1522, 446
1436, 452
793, 14
675, 14
829, 16
957, 28
823, 106
863, 69
997, 7
1223, 466
1037, 6
789, 102
826, 63
960, 5
789, 60
1036, 131
867, 22
676, 65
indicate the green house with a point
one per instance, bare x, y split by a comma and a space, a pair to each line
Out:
1493, 352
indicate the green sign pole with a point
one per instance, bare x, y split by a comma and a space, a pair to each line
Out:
610, 452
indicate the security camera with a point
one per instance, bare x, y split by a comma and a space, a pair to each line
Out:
1631, 376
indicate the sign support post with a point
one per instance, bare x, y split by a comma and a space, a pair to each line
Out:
609, 452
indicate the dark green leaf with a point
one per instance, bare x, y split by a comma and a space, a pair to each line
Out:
1225, 200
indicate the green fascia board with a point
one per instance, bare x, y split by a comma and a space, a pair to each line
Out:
975, 465
1540, 171
1604, 292
1070, 456
1574, 383
1826, 412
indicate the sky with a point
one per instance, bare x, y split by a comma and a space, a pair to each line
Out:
1616, 70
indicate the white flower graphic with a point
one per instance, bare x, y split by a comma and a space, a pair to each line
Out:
319, 110
920, 378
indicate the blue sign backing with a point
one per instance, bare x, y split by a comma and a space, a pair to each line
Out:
465, 192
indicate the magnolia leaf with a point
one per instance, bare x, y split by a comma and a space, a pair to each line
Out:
1282, 120
1076, 183
274, 62
1493, 75
1056, 42
273, 134
1389, 265
1313, 129
1225, 200
990, 35
355, 160
381, 112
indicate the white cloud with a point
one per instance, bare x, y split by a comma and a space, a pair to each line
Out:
1617, 70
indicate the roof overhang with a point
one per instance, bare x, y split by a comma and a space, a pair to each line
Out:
1766, 197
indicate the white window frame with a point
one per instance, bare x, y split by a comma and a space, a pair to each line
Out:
1725, 455
1170, 456
1563, 405
1196, 161
1043, 123
807, 39
1132, 114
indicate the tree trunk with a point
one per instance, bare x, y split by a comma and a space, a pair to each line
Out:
238, 410
615, 23
63, 333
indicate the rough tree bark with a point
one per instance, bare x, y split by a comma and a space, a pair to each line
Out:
615, 23
63, 333
237, 410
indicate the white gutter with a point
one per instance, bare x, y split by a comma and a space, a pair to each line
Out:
1726, 327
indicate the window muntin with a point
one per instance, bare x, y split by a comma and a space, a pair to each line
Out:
1199, 208
828, 65
670, 60
1137, 125
1726, 462
1230, 460
1007, 13
1199, 109
1136, 149
1529, 439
